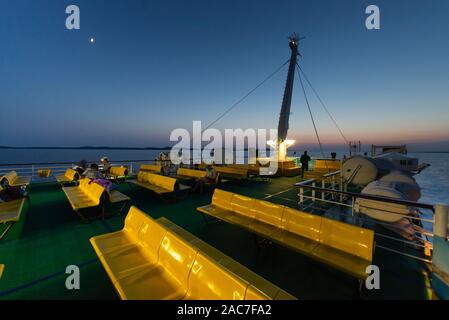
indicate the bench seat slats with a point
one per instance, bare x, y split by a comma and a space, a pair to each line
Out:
10, 211
156, 189
116, 196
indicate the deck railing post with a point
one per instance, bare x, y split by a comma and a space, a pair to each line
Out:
341, 188
323, 185
313, 191
301, 195
440, 227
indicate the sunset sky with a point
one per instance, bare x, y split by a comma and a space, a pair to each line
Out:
158, 65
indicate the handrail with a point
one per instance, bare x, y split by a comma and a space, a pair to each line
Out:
368, 197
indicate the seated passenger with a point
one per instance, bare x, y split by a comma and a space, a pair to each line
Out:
211, 176
92, 172
105, 165
80, 167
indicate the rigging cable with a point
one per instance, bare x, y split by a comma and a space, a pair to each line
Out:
311, 116
245, 96
324, 106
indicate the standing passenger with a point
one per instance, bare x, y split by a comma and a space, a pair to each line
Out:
305, 158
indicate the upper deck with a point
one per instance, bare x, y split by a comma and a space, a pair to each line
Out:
50, 236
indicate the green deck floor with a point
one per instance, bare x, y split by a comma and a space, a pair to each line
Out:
50, 236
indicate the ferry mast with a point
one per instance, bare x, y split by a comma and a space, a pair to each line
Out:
288, 91
282, 144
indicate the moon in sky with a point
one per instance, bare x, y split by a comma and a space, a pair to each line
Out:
92, 40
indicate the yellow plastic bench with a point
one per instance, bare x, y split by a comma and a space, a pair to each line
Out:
253, 169
69, 176
2, 268
44, 173
149, 261
327, 164
184, 173
10, 212
86, 195
232, 172
118, 173
343, 246
161, 185
14, 180
89, 195
152, 168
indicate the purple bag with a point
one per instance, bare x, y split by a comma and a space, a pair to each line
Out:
108, 185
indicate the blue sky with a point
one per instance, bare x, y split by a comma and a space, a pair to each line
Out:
159, 65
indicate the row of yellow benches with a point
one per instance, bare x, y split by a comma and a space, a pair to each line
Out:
71, 175
151, 259
343, 246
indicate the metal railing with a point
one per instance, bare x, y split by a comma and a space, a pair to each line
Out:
59, 168
333, 192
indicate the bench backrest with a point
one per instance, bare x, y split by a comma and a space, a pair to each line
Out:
151, 235
348, 238
83, 182
151, 168
167, 183
142, 176
162, 181
302, 223
71, 174
209, 281
243, 206
118, 171
197, 174
328, 164
232, 171
222, 199
177, 257
269, 212
133, 222
11, 176
93, 190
